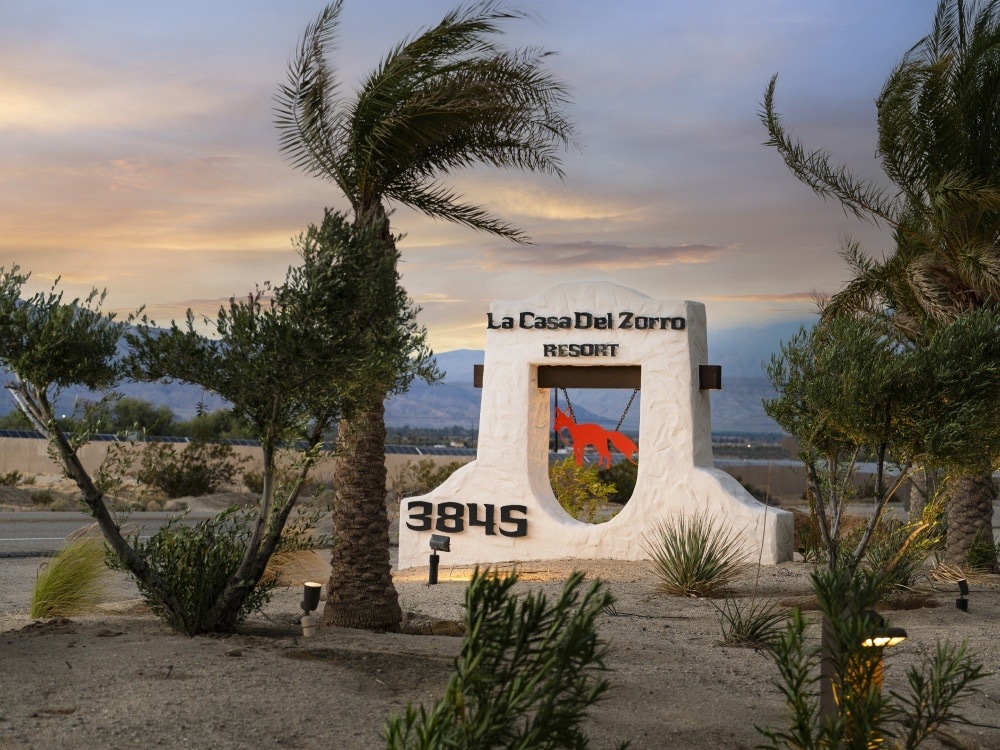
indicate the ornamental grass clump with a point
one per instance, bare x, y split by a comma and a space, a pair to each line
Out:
695, 556
72, 583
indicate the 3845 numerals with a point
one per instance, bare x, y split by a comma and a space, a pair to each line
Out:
451, 518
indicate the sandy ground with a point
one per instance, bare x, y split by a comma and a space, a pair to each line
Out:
121, 679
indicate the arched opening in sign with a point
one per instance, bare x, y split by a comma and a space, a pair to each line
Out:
594, 435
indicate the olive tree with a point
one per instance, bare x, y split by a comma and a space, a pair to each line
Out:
287, 358
850, 388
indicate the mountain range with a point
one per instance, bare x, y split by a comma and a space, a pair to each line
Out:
737, 408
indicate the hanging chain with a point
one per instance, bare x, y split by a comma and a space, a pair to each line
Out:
569, 404
627, 407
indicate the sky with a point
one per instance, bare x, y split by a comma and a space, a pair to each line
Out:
138, 152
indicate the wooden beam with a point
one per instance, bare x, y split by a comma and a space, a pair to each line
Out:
603, 376
572, 376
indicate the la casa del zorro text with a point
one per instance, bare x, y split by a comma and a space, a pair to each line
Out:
586, 321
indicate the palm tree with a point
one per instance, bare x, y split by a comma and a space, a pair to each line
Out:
445, 99
939, 144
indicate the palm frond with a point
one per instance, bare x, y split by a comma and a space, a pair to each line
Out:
444, 99
307, 112
860, 198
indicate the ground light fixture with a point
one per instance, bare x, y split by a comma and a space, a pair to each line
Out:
963, 590
439, 543
869, 665
310, 601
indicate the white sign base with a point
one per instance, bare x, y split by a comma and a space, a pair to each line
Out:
485, 506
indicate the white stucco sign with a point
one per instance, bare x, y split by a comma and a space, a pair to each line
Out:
501, 507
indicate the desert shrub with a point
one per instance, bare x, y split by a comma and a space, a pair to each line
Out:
198, 469
694, 556
254, 481
623, 476
11, 479
983, 553
862, 715
579, 489
196, 563
755, 623
72, 582
420, 477
527, 674
756, 492
42, 497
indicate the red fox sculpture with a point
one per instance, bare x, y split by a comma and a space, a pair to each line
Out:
595, 435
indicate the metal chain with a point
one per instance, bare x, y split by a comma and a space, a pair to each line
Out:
627, 407
569, 404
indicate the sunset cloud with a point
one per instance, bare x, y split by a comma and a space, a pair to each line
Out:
787, 297
138, 152
600, 256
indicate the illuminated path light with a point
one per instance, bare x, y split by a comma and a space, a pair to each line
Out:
501, 507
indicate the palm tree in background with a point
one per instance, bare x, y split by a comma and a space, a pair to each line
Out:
445, 99
939, 144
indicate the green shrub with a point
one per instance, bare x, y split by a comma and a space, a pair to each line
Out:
72, 582
11, 479
420, 477
254, 481
196, 563
198, 469
862, 715
526, 676
623, 476
693, 556
579, 489
756, 623
983, 553
42, 497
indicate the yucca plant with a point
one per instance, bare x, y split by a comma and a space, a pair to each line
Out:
755, 623
72, 583
695, 556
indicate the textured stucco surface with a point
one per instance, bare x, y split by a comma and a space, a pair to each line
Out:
675, 462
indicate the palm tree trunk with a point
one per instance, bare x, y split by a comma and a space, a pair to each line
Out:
360, 593
970, 517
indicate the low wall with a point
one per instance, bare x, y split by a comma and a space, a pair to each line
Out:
31, 457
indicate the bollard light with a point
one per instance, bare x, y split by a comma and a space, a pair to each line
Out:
310, 596
439, 543
877, 637
310, 601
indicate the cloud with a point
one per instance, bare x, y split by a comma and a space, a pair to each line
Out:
603, 256
789, 297
436, 298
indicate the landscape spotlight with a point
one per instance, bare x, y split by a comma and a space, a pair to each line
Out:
880, 636
439, 543
310, 601
963, 589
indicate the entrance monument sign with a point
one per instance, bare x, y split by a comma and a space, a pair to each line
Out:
501, 508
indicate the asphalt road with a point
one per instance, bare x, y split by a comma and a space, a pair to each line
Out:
41, 534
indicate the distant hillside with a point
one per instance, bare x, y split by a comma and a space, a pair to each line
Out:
737, 408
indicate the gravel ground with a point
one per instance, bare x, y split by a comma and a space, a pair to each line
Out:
121, 679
